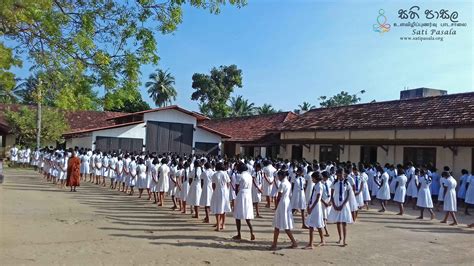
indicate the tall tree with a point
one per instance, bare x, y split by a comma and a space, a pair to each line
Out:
161, 88
213, 91
341, 99
105, 39
265, 109
7, 78
135, 104
306, 106
241, 107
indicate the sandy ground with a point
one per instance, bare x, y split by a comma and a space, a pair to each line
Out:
43, 225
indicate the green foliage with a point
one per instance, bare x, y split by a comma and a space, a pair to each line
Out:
265, 109
106, 40
7, 79
131, 104
161, 88
241, 107
214, 90
341, 99
23, 124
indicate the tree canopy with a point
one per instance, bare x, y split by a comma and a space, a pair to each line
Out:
24, 128
102, 41
265, 109
241, 107
213, 91
341, 99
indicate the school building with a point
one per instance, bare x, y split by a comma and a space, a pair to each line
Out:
161, 130
434, 129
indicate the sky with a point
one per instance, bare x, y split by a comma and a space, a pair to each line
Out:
295, 51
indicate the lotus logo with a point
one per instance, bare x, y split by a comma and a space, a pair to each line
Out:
382, 26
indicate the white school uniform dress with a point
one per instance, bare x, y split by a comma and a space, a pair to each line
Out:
393, 180
233, 182
112, 167
375, 187
195, 189
450, 201
14, 154
370, 182
384, 190
298, 199
435, 183
20, 155
98, 165
356, 182
326, 197
267, 180
154, 177
257, 184
341, 191
178, 177
462, 186
441, 189
309, 185
365, 187
206, 193
36, 158
126, 171
220, 203
185, 185
276, 184
141, 176
105, 166
149, 166
163, 180
412, 190
62, 168
469, 199
400, 190
316, 218
119, 168
283, 218
132, 169
243, 207
424, 195
173, 188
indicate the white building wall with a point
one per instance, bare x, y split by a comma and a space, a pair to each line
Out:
171, 116
137, 131
82, 142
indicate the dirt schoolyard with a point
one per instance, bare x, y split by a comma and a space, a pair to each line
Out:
43, 225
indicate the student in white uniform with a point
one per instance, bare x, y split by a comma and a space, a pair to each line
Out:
141, 176
461, 192
268, 179
309, 182
243, 209
132, 169
195, 188
173, 186
257, 187
149, 166
315, 211
469, 199
126, 173
276, 183
449, 201
424, 200
154, 179
384, 189
179, 185
185, 185
326, 199
365, 188
163, 181
356, 200
105, 168
206, 194
412, 189
400, 189
298, 199
112, 168
341, 211
13, 155
283, 218
220, 202
118, 173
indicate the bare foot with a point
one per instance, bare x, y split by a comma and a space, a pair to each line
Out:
432, 216
272, 247
293, 246
237, 237
308, 247
339, 242
443, 221
222, 228
454, 223
259, 216
344, 244
470, 226
419, 218
400, 213
382, 210
217, 229
252, 237
320, 244
326, 235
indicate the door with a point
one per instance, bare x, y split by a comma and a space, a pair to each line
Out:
164, 137
296, 152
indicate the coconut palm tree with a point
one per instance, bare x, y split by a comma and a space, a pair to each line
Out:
10, 94
265, 109
241, 107
306, 106
161, 88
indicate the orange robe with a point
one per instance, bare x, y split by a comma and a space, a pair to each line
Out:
73, 172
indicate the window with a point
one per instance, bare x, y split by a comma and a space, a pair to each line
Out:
368, 154
419, 156
329, 153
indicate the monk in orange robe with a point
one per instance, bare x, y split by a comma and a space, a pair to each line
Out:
73, 172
